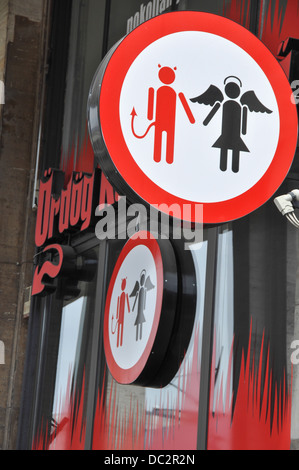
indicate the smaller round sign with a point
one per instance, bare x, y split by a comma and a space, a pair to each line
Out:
140, 309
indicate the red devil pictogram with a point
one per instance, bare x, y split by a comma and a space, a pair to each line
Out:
165, 114
120, 314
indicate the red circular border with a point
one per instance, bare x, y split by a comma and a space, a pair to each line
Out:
120, 62
127, 376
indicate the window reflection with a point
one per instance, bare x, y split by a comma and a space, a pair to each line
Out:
65, 359
148, 418
72, 322
251, 398
224, 317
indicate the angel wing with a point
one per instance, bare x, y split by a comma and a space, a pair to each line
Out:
135, 293
135, 290
148, 284
250, 99
211, 96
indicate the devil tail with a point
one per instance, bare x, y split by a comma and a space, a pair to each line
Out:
133, 114
146, 132
113, 330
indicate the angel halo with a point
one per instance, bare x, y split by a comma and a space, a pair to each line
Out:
232, 79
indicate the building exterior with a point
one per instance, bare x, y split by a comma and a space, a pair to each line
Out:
24, 27
223, 373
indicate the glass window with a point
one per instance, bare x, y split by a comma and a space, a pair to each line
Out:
134, 417
73, 316
65, 355
126, 16
251, 397
85, 55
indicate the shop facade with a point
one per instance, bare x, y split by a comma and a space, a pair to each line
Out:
222, 373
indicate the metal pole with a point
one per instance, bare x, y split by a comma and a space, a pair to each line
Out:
97, 343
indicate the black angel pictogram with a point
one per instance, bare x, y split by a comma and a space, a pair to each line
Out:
139, 292
234, 117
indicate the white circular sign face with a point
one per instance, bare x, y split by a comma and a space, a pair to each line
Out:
191, 108
132, 307
188, 163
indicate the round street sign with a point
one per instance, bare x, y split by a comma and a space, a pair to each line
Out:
191, 108
140, 309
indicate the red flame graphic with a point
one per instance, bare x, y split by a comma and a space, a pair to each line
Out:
279, 23
251, 425
79, 159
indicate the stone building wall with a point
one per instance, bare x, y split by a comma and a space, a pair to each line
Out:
23, 33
